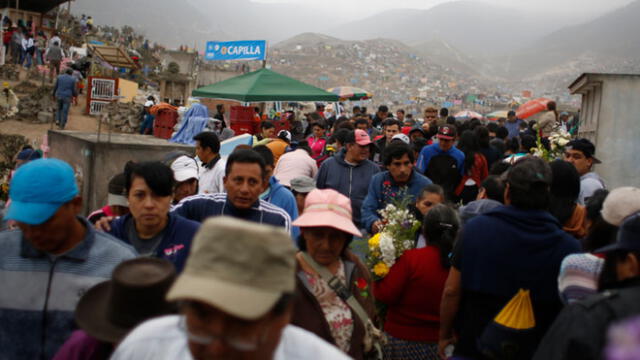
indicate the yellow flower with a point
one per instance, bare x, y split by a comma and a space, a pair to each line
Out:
381, 269
374, 241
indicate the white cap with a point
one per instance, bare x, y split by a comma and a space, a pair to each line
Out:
184, 168
120, 200
149, 103
402, 137
620, 204
285, 134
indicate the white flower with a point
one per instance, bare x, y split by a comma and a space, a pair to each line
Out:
388, 249
563, 142
538, 153
407, 244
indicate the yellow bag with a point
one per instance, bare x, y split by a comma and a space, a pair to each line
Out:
511, 334
518, 313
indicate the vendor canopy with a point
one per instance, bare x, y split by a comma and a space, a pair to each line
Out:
264, 85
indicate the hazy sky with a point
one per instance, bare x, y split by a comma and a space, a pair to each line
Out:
368, 7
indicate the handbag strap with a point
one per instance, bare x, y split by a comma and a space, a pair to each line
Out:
336, 285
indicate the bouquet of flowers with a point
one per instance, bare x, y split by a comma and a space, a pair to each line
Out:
397, 236
558, 140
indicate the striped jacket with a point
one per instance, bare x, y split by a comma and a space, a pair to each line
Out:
200, 207
40, 292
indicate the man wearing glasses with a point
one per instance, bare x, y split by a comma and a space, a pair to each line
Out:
235, 296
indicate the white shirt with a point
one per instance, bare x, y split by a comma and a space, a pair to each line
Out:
210, 181
54, 40
294, 164
160, 339
27, 43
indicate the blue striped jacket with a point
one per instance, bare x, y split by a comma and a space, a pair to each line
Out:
39, 291
200, 207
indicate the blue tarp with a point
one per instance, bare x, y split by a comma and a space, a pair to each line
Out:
193, 123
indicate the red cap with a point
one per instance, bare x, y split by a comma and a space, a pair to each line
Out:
447, 132
362, 138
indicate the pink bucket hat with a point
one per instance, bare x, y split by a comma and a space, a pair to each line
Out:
327, 208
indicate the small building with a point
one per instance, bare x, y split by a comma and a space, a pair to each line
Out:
177, 83
176, 88
609, 117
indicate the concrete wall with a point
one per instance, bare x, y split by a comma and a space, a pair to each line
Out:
212, 76
95, 162
610, 117
176, 91
618, 132
128, 89
186, 61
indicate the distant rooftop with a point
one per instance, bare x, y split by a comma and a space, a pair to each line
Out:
582, 79
39, 6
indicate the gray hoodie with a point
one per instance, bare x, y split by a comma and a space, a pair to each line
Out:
350, 180
589, 183
476, 208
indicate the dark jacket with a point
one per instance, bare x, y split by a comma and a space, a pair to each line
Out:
308, 314
502, 251
351, 181
377, 121
378, 150
444, 168
175, 243
580, 331
491, 155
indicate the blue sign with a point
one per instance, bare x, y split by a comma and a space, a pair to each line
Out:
236, 50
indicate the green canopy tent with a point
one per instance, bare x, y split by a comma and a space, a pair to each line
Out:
264, 85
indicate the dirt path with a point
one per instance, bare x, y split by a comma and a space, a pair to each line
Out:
35, 132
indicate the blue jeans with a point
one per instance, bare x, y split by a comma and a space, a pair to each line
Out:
63, 111
147, 124
29, 58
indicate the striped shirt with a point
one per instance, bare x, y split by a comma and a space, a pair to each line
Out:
40, 291
200, 207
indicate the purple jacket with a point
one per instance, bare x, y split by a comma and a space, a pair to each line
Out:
81, 346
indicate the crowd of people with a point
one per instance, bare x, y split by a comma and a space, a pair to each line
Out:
28, 46
258, 255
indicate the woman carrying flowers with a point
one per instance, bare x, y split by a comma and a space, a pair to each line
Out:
413, 287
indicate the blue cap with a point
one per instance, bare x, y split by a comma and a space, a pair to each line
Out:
39, 188
28, 155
